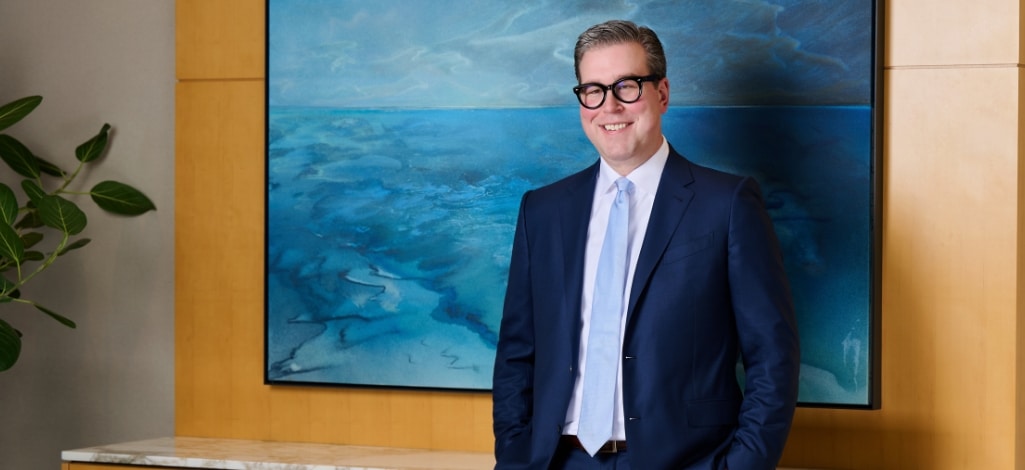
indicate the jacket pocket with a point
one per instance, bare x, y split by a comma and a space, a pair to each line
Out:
679, 251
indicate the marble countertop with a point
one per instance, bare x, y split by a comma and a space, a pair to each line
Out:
197, 452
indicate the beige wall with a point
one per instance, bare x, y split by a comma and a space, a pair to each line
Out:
111, 379
950, 336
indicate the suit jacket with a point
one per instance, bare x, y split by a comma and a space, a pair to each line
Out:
709, 286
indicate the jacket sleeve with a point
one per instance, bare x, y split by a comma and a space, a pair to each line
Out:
767, 333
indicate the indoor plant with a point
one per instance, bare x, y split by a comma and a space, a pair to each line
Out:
46, 208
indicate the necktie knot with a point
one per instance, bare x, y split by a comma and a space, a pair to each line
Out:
624, 184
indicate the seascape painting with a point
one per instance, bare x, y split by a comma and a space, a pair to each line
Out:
401, 136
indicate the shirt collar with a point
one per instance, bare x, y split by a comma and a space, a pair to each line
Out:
645, 177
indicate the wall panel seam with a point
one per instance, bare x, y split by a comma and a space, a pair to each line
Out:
953, 66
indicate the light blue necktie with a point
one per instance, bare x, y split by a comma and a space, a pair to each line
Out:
602, 368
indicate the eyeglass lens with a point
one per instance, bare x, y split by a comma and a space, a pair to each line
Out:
627, 90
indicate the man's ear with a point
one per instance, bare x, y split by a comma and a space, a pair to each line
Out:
663, 94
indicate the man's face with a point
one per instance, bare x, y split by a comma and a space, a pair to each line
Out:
625, 134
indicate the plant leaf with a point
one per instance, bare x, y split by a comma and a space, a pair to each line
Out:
14, 111
120, 198
8, 205
30, 220
74, 245
49, 168
32, 190
18, 157
33, 255
60, 318
61, 214
10, 345
11, 246
29, 239
8, 289
94, 147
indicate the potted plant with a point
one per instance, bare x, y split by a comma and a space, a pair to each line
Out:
45, 208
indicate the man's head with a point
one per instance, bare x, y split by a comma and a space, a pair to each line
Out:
623, 92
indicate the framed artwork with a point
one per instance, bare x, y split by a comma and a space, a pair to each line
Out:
401, 135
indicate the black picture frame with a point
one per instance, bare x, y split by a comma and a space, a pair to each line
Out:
386, 225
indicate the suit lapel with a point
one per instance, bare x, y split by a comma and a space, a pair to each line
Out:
670, 203
574, 218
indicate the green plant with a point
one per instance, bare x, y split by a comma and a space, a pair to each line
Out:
46, 208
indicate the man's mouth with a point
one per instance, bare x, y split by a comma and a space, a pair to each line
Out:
614, 127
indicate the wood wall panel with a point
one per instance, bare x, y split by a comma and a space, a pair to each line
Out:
1020, 284
1019, 385
951, 245
219, 39
951, 32
219, 262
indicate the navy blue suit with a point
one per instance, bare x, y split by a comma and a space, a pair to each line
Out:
709, 288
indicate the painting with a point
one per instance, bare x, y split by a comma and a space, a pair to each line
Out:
401, 136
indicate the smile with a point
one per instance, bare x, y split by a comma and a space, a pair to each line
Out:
614, 127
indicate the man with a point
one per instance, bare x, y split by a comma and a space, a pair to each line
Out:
704, 285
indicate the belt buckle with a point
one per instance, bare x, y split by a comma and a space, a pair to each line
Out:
611, 447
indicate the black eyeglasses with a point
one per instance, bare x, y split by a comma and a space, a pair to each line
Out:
626, 90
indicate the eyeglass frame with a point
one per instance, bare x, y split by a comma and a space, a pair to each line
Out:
606, 88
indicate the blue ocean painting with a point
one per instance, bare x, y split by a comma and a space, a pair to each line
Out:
390, 240
398, 150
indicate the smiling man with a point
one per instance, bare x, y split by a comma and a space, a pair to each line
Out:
634, 287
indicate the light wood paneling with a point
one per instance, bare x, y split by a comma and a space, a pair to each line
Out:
952, 32
218, 251
218, 39
950, 282
1019, 385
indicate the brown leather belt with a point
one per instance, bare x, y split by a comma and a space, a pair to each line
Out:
611, 447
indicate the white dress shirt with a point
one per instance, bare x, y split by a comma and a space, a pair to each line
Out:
645, 179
